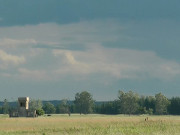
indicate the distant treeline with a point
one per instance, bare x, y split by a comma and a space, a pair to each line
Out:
126, 103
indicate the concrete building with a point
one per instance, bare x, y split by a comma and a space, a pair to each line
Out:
23, 109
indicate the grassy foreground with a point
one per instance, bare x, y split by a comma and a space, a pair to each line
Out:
90, 125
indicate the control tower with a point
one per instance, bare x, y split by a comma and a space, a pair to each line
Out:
23, 106
23, 109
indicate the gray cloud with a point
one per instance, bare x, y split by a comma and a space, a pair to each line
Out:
52, 36
76, 49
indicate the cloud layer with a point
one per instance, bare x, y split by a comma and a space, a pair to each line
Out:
78, 56
58, 45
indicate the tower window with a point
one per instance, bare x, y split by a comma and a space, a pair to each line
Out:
22, 104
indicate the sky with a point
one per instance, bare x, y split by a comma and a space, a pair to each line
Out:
52, 49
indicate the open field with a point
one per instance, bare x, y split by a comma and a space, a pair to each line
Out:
91, 125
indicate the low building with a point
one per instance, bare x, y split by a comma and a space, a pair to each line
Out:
23, 109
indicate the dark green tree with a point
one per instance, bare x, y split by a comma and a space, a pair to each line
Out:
128, 102
161, 104
174, 107
146, 105
49, 108
84, 102
150, 103
1, 110
109, 107
5, 107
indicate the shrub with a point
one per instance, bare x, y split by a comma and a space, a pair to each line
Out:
40, 112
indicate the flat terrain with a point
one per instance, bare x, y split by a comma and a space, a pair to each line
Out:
90, 125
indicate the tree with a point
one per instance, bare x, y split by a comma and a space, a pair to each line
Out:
35, 105
128, 102
49, 108
84, 102
110, 107
5, 107
150, 103
174, 107
161, 104
63, 107
146, 105
1, 110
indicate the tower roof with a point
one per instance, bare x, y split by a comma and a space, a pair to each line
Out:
23, 99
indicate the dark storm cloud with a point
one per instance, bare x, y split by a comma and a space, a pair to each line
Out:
22, 12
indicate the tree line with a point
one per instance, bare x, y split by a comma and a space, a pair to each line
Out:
126, 103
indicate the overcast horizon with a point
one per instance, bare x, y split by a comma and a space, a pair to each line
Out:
52, 49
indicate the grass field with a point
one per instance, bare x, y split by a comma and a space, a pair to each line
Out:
90, 125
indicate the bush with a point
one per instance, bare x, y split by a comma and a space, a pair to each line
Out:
40, 112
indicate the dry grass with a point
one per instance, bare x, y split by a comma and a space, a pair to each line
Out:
91, 125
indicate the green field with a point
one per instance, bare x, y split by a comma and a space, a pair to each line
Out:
90, 125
